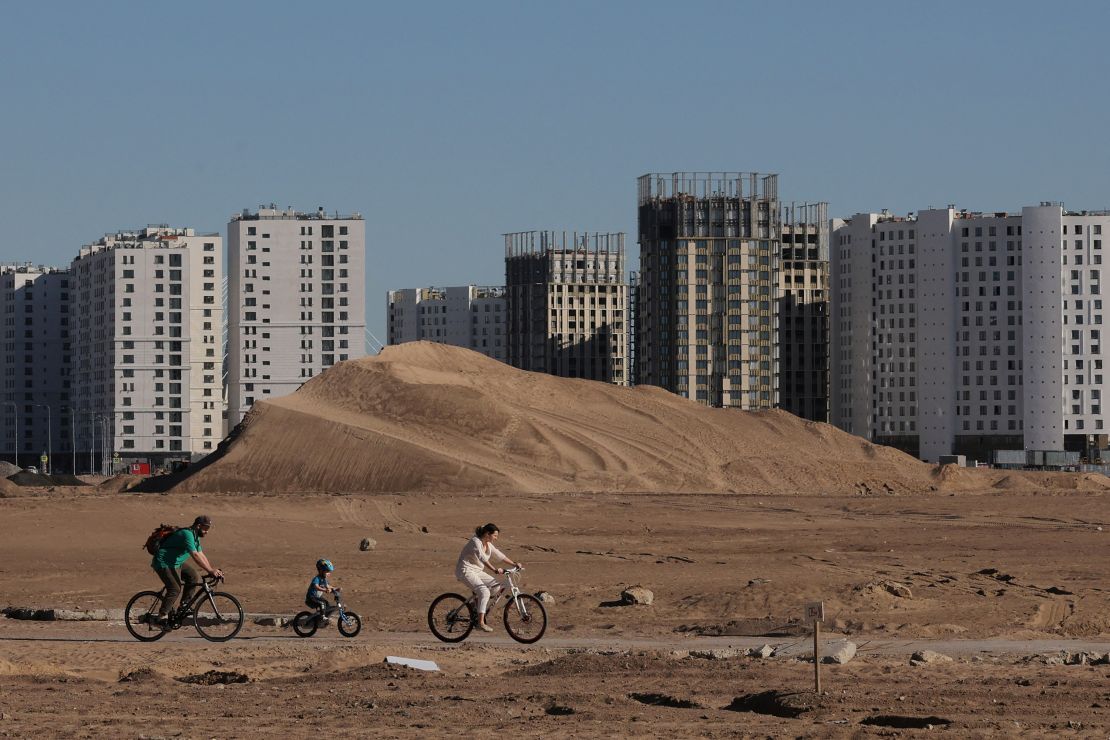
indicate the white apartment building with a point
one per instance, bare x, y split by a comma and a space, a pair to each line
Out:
468, 316
35, 401
966, 333
146, 355
296, 300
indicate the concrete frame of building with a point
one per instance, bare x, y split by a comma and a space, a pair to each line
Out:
706, 317
568, 310
803, 315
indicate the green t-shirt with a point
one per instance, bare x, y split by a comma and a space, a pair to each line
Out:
175, 549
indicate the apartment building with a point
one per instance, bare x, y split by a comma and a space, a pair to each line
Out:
968, 333
568, 308
146, 350
803, 317
707, 312
36, 407
468, 316
296, 300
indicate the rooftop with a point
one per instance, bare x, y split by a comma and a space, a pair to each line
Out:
273, 213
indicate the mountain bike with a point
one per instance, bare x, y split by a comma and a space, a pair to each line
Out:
217, 616
306, 623
452, 617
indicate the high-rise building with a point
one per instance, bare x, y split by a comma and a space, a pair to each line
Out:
296, 300
146, 354
568, 304
36, 405
706, 323
803, 318
956, 332
468, 316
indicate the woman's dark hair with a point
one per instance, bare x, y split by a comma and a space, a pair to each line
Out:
486, 529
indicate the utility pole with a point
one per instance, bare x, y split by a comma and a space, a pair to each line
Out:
49, 439
92, 441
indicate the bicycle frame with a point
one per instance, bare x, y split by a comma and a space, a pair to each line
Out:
514, 593
336, 608
179, 614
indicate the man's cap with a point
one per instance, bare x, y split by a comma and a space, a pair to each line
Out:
202, 521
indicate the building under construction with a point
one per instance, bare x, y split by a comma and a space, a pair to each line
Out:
803, 311
568, 304
706, 326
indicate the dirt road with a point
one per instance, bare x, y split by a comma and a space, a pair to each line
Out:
725, 570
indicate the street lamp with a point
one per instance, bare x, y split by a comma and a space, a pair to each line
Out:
92, 439
72, 436
49, 439
106, 436
15, 413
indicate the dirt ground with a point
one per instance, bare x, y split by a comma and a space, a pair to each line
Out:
889, 568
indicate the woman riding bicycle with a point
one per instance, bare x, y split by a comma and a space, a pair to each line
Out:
473, 562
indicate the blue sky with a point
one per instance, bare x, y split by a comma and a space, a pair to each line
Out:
447, 124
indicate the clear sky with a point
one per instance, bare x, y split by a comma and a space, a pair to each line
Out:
447, 124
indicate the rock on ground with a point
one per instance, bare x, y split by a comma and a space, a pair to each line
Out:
926, 657
545, 597
637, 595
765, 651
366, 544
717, 654
839, 652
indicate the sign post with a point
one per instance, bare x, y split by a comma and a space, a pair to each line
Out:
43, 459
815, 612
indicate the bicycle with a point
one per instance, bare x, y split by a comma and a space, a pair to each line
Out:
452, 617
220, 623
306, 623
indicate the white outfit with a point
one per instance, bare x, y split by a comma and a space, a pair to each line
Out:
470, 570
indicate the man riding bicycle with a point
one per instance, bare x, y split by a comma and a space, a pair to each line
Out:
172, 566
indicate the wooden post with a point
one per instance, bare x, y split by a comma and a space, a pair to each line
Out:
815, 612
817, 656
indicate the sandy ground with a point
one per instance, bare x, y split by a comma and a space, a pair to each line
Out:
1022, 566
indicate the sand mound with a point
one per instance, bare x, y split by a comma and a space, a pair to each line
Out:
41, 480
430, 417
7, 488
119, 483
6, 469
24, 478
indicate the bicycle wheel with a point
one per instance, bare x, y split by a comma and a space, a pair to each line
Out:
218, 617
528, 623
350, 624
450, 617
140, 614
304, 624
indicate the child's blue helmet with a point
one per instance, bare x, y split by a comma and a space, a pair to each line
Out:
324, 564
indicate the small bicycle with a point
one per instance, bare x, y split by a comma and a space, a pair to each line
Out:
452, 617
217, 616
306, 623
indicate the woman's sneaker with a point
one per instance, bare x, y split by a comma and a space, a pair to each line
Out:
485, 628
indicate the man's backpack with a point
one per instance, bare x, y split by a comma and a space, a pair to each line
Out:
161, 532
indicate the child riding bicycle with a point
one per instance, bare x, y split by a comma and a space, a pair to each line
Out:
317, 587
